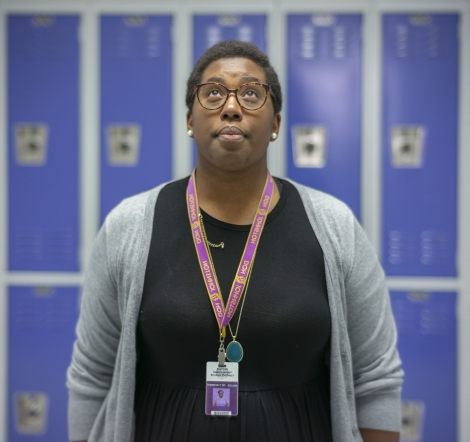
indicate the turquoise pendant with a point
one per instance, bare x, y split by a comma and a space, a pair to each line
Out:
234, 352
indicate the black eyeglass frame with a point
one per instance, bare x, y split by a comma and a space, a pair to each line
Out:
267, 88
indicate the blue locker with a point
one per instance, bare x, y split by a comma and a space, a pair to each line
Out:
427, 342
41, 332
419, 144
324, 54
43, 118
136, 105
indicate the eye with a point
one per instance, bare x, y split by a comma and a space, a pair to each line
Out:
214, 92
250, 93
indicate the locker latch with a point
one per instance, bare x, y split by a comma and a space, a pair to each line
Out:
31, 144
309, 145
123, 145
407, 146
412, 421
31, 412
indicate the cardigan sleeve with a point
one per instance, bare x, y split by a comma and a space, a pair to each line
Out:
90, 373
371, 328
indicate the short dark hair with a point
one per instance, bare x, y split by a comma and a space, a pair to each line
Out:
235, 49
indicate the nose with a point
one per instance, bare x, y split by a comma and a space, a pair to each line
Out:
231, 109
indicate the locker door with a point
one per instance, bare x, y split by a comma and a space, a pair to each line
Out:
136, 105
427, 342
324, 108
419, 144
43, 90
40, 336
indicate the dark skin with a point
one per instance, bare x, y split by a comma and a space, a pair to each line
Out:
231, 173
232, 170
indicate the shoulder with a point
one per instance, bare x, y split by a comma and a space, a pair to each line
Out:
321, 201
329, 215
127, 229
133, 207
340, 235
132, 211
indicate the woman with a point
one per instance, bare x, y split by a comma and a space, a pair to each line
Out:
230, 256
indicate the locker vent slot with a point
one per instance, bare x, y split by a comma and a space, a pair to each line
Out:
402, 41
430, 248
36, 245
28, 244
153, 42
39, 42
435, 247
420, 317
339, 42
121, 44
43, 312
403, 247
307, 42
245, 33
213, 36
60, 245
434, 42
138, 39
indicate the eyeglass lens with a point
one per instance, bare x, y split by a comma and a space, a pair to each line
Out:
250, 96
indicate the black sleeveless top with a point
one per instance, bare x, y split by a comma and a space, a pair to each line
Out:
284, 329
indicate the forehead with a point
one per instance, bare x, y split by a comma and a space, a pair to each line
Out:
233, 70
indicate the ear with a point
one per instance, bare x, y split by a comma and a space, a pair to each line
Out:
189, 120
276, 124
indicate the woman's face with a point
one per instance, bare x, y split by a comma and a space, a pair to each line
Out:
244, 145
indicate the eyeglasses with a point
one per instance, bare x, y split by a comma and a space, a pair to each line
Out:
250, 96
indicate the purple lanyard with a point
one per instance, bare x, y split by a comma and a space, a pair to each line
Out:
223, 315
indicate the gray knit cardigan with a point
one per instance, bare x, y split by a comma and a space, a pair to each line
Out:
365, 369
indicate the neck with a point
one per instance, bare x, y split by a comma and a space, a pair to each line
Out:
232, 196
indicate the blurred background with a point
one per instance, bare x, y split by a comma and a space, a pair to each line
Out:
377, 113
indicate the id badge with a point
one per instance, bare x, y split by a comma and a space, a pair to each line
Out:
222, 389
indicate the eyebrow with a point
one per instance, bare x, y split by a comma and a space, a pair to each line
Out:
215, 80
247, 78
244, 78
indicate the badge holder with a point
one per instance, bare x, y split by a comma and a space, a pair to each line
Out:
222, 389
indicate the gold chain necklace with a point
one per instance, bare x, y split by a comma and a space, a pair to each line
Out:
203, 230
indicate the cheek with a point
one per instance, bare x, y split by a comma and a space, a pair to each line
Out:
201, 126
267, 126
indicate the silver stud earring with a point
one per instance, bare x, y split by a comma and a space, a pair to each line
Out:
273, 136
190, 133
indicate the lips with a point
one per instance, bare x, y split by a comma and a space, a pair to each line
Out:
231, 133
